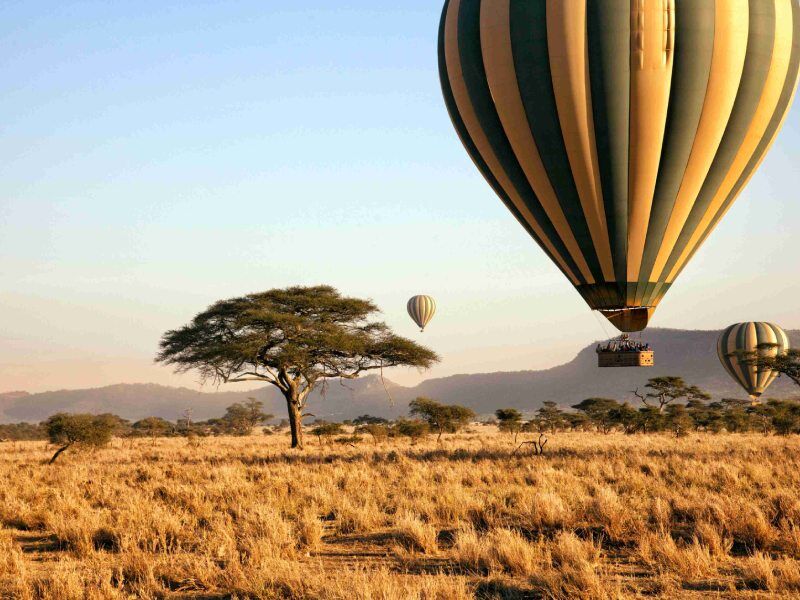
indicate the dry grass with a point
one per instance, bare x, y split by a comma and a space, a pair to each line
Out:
596, 517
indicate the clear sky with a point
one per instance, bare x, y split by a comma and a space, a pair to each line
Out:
156, 156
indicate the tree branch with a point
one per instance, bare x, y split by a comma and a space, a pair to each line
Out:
641, 397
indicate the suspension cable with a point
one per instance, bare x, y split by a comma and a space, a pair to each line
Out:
602, 325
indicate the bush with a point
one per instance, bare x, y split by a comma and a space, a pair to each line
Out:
19, 432
79, 430
153, 427
349, 440
444, 418
509, 420
411, 429
326, 430
378, 432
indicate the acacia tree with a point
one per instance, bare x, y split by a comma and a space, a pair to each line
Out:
679, 420
415, 429
785, 416
662, 391
294, 338
550, 416
626, 417
153, 427
509, 420
378, 431
88, 431
441, 417
600, 411
326, 430
787, 363
241, 419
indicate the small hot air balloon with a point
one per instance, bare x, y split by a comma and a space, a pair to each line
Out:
619, 132
736, 346
421, 309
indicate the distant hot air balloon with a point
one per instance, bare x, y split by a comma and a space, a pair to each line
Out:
619, 132
421, 309
737, 343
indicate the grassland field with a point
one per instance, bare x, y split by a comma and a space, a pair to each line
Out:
596, 517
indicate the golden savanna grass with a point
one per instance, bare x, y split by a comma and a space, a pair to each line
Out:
595, 517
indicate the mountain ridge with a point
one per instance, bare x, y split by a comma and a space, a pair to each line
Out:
690, 354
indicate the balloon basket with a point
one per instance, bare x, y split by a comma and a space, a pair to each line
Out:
624, 352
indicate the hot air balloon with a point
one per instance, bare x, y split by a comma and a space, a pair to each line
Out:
421, 309
737, 344
619, 132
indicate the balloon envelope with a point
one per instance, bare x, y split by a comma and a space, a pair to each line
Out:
619, 132
421, 309
739, 342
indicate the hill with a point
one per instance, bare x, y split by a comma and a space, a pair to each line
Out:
136, 401
689, 354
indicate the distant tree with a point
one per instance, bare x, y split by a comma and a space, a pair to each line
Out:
18, 432
214, 426
377, 431
443, 418
626, 417
240, 419
650, 419
509, 420
186, 422
153, 427
292, 338
785, 416
679, 420
326, 431
662, 391
120, 426
577, 421
535, 425
706, 417
369, 420
736, 417
256, 414
762, 415
600, 411
551, 416
414, 429
68, 430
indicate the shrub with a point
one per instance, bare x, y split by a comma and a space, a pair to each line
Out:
411, 429
78, 430
441, 417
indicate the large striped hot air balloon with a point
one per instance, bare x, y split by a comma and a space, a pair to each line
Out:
619, 132
421, 309
738, 345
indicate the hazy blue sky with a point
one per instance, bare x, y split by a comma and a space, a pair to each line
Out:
156, 156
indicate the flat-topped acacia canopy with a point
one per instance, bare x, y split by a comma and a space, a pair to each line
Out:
291, 338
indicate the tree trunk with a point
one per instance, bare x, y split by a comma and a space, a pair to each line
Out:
295, 420
58, 453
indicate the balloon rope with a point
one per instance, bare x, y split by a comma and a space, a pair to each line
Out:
602, 326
